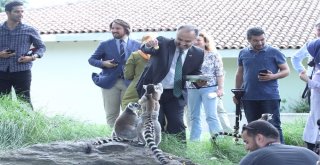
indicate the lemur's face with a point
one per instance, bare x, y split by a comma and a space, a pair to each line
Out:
266, 116
134, 107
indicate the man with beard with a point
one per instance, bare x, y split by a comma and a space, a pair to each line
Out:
259, 68
262, 141
111, 56
171, 60
16, 39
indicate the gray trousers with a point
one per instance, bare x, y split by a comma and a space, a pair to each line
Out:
112, 101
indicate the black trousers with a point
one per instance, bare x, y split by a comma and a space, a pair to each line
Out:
253, 110
171, 114
20, 81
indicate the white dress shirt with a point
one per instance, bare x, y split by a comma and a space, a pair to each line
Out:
168, 81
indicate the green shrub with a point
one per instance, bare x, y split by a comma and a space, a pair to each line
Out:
300, 106
283, 105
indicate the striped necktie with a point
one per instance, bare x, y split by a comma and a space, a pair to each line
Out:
121, 48
122, 57
177, 87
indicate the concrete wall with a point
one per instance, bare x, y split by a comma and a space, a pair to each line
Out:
62, 84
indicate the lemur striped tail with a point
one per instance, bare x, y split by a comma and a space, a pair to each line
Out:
108, 140
149, 137
230, 134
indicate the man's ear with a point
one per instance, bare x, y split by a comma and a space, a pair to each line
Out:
260, 140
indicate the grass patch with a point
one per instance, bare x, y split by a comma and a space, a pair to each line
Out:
223, 152
20, 127
293, 131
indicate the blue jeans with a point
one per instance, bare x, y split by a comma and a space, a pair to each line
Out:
196, 97
253, 110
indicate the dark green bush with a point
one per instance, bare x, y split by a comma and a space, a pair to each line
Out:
300, 106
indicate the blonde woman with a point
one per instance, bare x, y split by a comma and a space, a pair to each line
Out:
207, 95
132, 71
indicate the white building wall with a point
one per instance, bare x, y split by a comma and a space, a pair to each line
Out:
62, 82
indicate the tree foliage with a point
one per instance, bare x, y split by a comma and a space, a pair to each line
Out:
2, 3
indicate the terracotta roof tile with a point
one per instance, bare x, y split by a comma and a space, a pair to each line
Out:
288, 23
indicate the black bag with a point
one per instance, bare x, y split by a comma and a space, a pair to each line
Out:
306, 93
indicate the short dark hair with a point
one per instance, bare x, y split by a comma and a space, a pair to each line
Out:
190, 28
255, 31
261, 127
10, 5
122, 23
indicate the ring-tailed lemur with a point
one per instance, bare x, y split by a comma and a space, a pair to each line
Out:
149, 128
265, 116
125, 127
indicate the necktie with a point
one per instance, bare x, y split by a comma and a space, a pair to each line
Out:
177, 87
122, 53
122, 56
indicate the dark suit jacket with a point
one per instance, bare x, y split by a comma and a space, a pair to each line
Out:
161, 59
107, 50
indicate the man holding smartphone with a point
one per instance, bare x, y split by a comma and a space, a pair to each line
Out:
259, 68
111, 56
16, 39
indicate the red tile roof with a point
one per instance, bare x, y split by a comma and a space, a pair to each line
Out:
288, 23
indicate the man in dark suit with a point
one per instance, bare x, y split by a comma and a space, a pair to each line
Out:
111, 56
162, 69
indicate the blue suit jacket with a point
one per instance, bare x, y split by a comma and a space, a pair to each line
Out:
108, 50
161, 59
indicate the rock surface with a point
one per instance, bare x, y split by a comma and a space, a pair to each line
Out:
74, 153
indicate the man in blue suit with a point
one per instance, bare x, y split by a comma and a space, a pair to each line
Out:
111, 56
162, 69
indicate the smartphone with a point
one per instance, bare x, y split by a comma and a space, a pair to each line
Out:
263, 71
10, 51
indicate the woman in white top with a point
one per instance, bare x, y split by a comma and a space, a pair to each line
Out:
212, 67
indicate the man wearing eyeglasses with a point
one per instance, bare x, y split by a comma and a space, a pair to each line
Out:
263, 143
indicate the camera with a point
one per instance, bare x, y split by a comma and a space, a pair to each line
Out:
10, 51
30, 52
311, 63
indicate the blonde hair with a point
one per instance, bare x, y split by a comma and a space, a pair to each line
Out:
147, 37
210, 45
